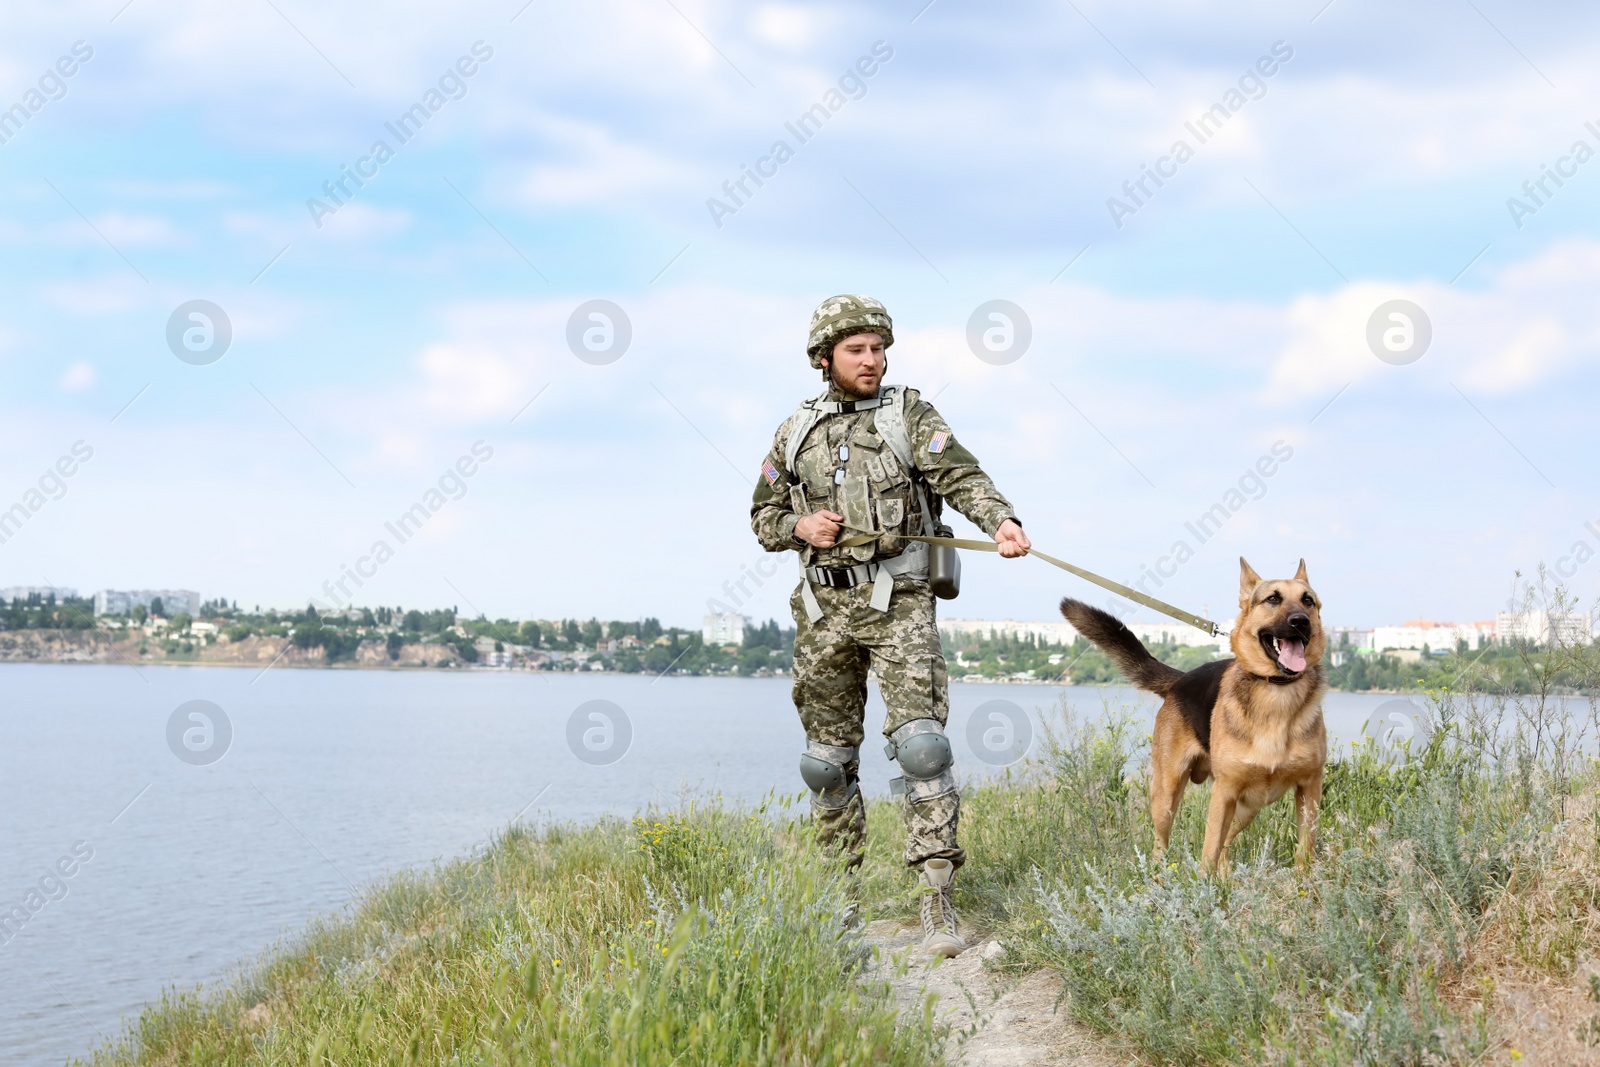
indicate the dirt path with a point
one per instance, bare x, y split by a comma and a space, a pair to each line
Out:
999, 1021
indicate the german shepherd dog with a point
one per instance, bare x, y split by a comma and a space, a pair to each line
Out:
1253, 723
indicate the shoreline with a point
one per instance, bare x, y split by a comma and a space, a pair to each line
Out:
465, 668
96, 647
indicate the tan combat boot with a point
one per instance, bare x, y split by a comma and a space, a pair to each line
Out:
939, 937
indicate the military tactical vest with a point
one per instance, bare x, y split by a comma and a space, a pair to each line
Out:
854, 457
860, 466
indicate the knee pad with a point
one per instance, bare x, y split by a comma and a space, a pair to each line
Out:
822, 767
923, 752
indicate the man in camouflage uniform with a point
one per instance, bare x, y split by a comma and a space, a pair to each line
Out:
850, 474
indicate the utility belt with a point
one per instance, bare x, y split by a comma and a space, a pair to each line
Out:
913, 561
842, 577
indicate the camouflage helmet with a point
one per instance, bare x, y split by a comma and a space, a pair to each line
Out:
840, 316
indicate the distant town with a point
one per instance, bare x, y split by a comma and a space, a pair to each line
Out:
56, 624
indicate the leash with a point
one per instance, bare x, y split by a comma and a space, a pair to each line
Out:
1202, 624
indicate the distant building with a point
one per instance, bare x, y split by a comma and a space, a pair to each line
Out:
1349, 638
1046, 633
1063, 633
723, 629
14, 593
1178, 633
1545, 627
122, 601
1434, 636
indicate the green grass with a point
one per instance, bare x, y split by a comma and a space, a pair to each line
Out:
710, 936
1363, 959
706, 938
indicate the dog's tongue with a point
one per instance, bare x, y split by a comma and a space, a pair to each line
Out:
1292, 654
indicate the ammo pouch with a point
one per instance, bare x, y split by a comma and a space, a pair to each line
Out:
944, 567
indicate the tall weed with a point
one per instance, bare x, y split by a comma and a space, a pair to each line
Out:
1340, 964
706, 937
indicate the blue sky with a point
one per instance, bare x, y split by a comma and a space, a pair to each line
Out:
975, 163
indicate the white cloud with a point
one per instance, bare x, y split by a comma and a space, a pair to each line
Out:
117, 294
786, 26
124, 230
355, 223
1536, 319
463, 383
992, 134
79, 377
272, 229
183, 190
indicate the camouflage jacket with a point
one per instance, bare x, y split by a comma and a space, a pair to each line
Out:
876, 494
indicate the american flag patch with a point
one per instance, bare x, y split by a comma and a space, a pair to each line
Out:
769, 472
938, 441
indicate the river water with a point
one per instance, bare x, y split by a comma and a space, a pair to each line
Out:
149, 842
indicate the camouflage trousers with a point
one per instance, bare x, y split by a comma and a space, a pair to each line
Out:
831, 660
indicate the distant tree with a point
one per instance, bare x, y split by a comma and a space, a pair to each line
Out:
181, 621
395, 643
658, 658
530, 634
650, 629
138, 613
768, 635
156, 608
590, 634
570, 632
337, 646
414, 620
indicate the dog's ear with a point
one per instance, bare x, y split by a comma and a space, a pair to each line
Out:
1300, 575
1248, 579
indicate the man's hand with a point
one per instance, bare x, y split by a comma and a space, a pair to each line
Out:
1012, 541
820, 529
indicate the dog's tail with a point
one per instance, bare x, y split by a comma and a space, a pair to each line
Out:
1117, 641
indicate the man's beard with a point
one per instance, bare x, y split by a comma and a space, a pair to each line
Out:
876, 389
